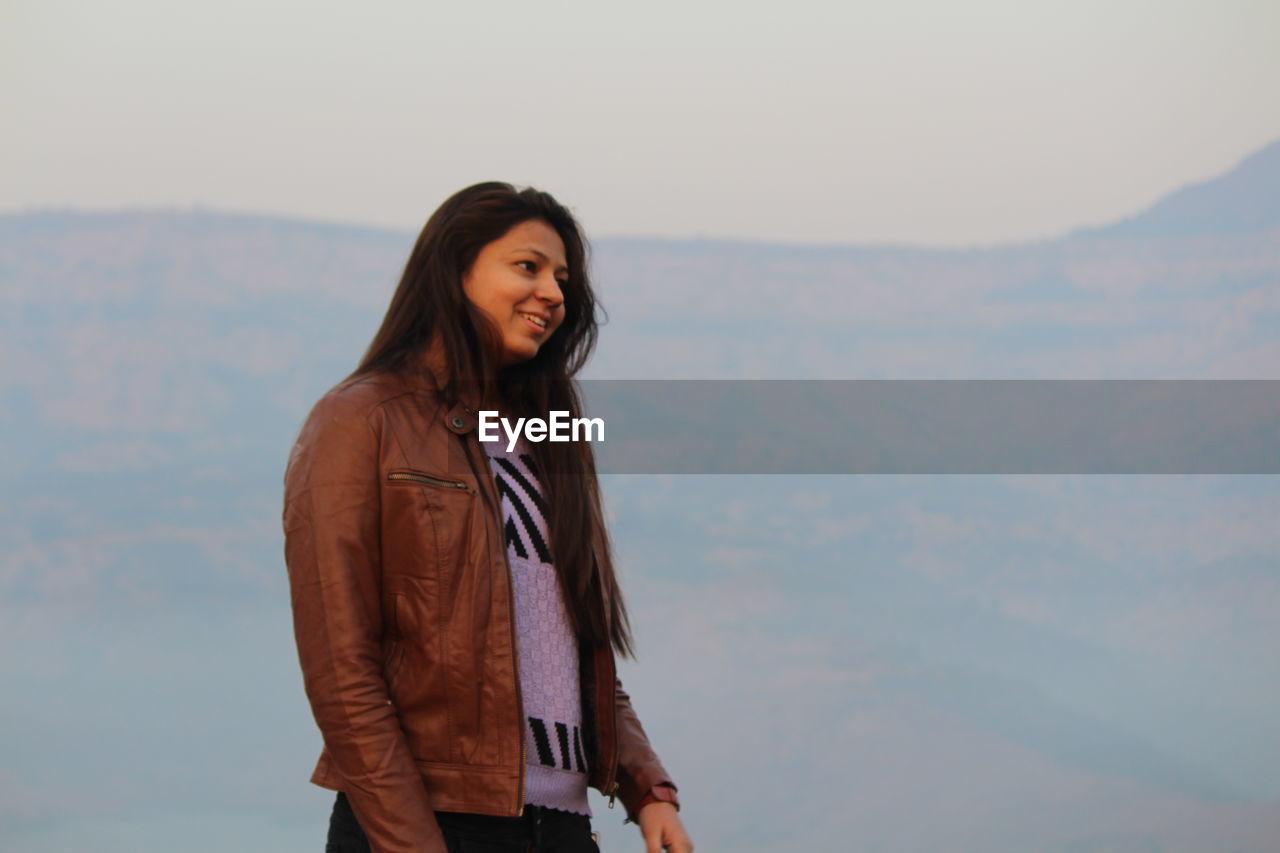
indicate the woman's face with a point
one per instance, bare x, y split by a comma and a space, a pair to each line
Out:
517, 281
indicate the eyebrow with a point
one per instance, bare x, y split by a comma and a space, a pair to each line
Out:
531, 250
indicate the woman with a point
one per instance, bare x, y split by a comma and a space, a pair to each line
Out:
455, 606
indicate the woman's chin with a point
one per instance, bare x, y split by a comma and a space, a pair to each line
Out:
513, 357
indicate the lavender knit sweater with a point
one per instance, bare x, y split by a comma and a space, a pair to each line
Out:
555, 769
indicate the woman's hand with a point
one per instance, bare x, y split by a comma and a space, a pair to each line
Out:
662, 830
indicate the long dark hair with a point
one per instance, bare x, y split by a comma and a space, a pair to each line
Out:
429, 308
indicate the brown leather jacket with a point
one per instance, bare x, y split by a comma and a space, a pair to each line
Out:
404, 620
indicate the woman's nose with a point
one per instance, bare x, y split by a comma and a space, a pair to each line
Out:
549, 291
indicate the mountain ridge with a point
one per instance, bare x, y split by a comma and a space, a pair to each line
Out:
1242, 199
1239, 200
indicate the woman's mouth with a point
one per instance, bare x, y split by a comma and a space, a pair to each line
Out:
535, 322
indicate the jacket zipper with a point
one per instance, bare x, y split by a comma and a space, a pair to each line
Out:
428, 479
520, 703
515, 665
496, 513
617, 745
610, 787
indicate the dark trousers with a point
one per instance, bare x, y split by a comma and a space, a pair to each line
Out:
539, 830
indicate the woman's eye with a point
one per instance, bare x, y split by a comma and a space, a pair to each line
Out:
528, 266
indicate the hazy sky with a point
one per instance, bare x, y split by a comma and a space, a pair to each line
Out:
934, 122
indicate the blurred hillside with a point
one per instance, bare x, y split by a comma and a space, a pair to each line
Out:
1066, 664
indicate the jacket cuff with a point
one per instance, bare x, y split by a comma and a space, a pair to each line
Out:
663, 792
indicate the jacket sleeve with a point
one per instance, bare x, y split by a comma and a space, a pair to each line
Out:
332, 551
639, 770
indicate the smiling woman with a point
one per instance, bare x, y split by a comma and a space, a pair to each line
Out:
465, 700
517, 282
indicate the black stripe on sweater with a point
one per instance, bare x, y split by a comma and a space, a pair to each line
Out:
562, 733
519, 477
542, 742
577, 751
526, 520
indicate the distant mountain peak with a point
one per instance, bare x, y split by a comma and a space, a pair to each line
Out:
1264, 159
1245, 200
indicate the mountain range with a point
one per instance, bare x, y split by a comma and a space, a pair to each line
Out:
1068, 664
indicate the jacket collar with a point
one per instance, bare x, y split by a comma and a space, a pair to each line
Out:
428, 371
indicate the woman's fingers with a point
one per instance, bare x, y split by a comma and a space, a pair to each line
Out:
663, 830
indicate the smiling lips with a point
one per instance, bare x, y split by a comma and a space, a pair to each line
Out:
538, 322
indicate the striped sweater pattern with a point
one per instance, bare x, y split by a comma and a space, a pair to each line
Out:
555, 769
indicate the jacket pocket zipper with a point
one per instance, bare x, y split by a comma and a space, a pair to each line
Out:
415, 477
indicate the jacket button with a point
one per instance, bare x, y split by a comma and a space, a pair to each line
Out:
458, 423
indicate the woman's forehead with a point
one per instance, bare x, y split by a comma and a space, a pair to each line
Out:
534, 236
